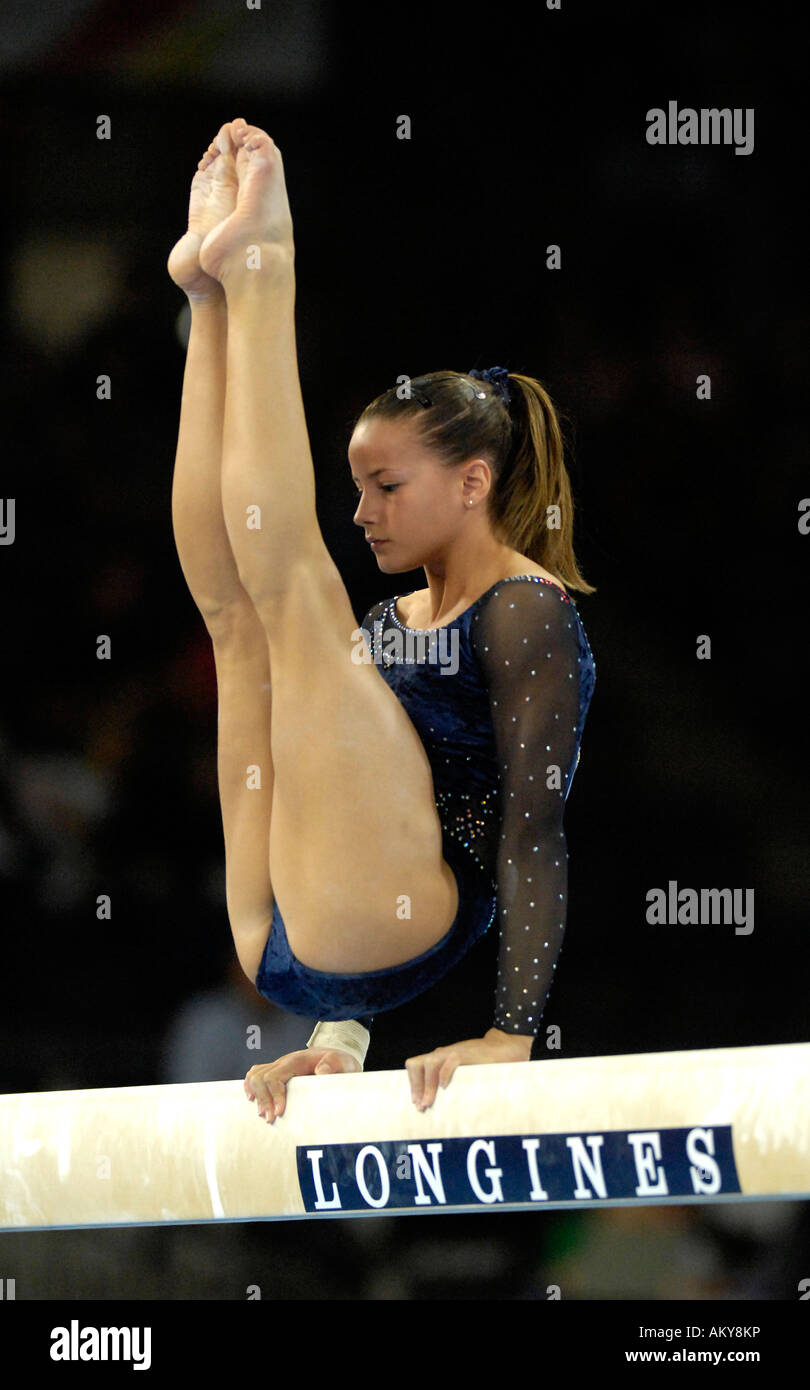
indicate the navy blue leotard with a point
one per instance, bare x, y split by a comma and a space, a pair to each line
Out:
499, 698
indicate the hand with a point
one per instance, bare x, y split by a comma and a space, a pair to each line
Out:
267, 1081
433, 1069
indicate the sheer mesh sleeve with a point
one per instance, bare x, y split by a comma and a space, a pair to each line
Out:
525, 636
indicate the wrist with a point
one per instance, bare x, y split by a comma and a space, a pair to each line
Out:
519, 1044
345, 1035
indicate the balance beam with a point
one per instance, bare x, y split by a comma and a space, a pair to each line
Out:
725, 1124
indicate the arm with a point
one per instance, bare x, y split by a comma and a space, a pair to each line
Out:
526, 639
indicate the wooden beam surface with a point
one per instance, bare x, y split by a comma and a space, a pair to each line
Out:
709, 1125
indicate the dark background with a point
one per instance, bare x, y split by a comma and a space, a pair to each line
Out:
528, 129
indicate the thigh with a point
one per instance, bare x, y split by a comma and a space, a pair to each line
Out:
355, 840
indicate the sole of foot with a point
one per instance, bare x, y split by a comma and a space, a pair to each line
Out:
261, 221
212, 199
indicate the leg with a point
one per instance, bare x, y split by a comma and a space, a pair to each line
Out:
243, 742
241, 653
355, 840
240, 646
202, 541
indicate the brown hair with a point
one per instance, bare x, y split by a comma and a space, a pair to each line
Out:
523, 444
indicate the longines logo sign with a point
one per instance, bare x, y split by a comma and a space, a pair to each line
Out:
396, 1175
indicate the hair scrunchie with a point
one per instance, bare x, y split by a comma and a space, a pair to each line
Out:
498, 377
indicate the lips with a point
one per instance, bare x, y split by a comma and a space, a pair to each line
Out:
373, 541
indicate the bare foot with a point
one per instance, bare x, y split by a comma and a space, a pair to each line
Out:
261, 219
212, 200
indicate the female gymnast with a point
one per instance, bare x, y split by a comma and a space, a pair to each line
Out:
405, 784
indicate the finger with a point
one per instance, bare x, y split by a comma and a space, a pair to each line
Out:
260, 1091
274, 1086
268, 1088
248, 1082
415, 1067
448, 1070
430, 1087
278, 1092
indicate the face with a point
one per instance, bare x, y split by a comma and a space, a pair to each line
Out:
410, 504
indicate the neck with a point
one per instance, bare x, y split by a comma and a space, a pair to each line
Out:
458, 578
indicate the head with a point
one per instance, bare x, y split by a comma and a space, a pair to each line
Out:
444, 457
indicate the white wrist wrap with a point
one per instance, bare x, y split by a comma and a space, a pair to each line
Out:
347, 1035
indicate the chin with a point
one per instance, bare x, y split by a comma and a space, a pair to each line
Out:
388, 565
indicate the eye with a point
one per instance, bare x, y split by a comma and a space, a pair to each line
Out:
384, 487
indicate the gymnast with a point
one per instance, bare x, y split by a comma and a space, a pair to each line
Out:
392, 809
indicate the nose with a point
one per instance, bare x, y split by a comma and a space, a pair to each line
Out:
361, 515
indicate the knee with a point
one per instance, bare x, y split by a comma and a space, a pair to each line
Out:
232, 620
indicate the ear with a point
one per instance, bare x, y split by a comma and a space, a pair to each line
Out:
476, 483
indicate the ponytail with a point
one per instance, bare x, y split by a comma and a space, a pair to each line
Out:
532, 508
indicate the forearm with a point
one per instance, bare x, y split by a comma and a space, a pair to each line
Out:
199, 526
